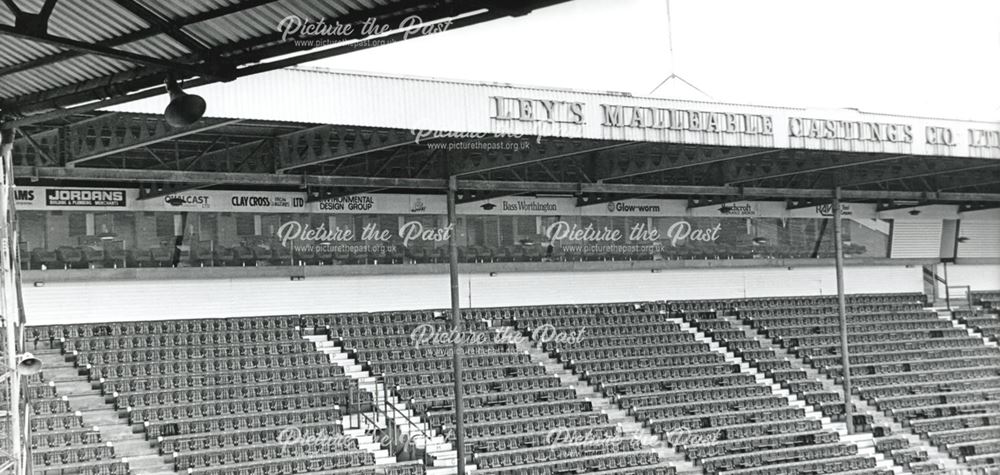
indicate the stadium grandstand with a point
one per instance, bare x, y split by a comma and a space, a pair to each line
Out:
338, 273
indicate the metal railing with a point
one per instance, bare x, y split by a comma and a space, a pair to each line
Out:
393, 418
965, 299
391, 411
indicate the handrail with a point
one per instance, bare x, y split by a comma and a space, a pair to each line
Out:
387, 406
386, 409
968, 297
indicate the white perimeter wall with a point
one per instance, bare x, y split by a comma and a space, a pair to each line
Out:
95, 301
981, 277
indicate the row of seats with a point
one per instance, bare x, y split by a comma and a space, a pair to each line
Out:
77, 257
214, 396
985, 321
675, 383
60, 441
511, 404
986, 298
813, 393
715, 326
53, 333
104, 343
921, 370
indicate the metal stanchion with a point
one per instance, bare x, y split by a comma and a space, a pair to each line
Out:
8, 294
390, 429
838, 240
947, 291
456, 314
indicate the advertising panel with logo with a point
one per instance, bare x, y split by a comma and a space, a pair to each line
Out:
825, 210
28, 197
75, 197
228, 201
269, 202
635, 207
42, 198
188, 201
382, 204
521, 206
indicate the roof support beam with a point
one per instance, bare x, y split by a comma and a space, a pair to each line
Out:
154, 20
12, 7
473, 196
92, 48
828, 161
317, 194
436, 185
603, 199
967, 180
971, 185
944, 171
893, 205
329, 144
706, 201
513, 8
148, 192
89, 148
40, 150
536, 153
660, 161
138, 35
194, 160
978, 207
806, 203
224, 178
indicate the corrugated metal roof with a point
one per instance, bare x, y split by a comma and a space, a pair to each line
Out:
63, 73
184, 8
92, 20
406, 103
32, 69
16, 50
159, 46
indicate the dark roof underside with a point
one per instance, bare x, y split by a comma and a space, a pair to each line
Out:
62, 53
125, 149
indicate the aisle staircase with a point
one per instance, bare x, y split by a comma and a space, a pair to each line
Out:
390, 416
631, 428
129, 444
862, 439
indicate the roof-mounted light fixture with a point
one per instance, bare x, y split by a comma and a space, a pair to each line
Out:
184, 109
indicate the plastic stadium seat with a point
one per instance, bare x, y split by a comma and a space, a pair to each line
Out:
261, 253
244, 255
115, 257
162, 256
324, 255
224, 256
41, 257
280, 255
24, 255
70, 257
93, 256
202, 255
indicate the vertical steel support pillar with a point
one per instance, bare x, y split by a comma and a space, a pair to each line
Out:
456, 314
838, 237
8, 294
947, 291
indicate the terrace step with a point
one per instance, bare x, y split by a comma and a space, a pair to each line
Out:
945, 314
776, 388
412, 429
130, 446
631, 428
943, 461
